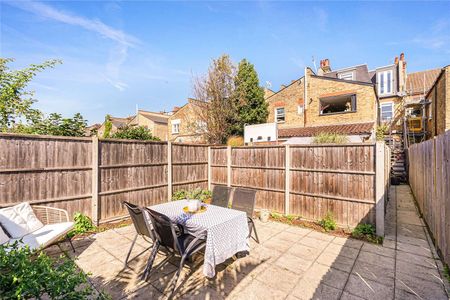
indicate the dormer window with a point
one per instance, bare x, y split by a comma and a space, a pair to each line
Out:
385, 82
346, 76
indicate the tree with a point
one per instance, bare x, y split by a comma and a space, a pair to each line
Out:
248, 98
54, 124
134, 133
108, 127
214, 93
15, 100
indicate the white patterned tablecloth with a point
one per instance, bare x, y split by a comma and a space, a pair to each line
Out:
227, 230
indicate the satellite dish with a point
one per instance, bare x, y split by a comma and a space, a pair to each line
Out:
268, 84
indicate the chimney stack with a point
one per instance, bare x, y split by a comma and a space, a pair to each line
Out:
402, 73
324, 66
175, 109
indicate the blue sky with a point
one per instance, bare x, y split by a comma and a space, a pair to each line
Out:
120, 54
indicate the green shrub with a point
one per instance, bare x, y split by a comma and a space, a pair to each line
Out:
26, 274
134, 133
276, 216
366, 232
328, 223
82, 224
198, 193
382, 130
329, 138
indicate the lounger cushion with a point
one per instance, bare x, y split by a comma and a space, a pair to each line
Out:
19, 220
3, 237
46, 235
13, 223
26, 212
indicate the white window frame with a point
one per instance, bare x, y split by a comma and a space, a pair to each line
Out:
385, 83
346, 75
176, 126
280, 115
386, 104
300, 109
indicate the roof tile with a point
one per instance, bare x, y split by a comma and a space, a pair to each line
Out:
346, 129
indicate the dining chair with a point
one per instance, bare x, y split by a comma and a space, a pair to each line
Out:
172, 237
244, 200
221, 195
140, 225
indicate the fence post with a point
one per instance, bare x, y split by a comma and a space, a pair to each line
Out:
209, 167
95, 176
287, 179
229, 166
169, 171
379, 187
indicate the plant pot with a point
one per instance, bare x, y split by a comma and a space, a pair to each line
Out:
207, 201
264, 215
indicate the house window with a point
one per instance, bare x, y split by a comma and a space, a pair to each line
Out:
385, 82
251, 140
176, 126
346, 75
279, 115
268, 138
387, 111
338, 104
300, 109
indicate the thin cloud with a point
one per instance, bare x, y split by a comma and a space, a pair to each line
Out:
321, 18
118, 53
46, 11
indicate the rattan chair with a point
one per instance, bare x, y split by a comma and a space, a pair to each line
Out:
221, 196
244, 200
52, 215
171, 236
142, 227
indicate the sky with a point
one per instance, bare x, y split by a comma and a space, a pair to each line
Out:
119, 55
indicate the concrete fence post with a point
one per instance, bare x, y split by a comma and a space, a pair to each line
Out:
169, 171
287, 179
95, 178
229, 166
380, 190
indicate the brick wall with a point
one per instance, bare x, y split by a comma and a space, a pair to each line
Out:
188, 116
440, 104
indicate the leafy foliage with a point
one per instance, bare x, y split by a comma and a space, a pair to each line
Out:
366, 232
54, 124
82, 224
15, 100
235, 141
26, 274
108, 127
214, 93
328, 223
198, 193
382, 130
134, 133
249, 104
329, 138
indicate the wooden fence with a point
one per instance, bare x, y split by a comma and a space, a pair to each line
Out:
429, 177
345, 180
94, 176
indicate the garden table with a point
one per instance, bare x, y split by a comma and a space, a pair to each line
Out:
226, 230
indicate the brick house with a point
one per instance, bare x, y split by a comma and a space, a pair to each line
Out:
336, 103
185, 124
155, 122
437, 104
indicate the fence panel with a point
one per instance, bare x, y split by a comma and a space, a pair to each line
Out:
189, 166
46, 170
262, 169
219, 165
339, 179
133, 171
429, 177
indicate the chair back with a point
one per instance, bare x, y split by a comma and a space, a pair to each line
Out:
244, 200
140, 224
165, 230
221, 195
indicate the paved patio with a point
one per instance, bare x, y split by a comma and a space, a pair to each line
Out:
290, 263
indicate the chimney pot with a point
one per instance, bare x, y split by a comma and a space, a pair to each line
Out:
396, 60
325, 66
402, 56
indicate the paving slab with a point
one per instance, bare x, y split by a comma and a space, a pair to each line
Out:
368, 289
